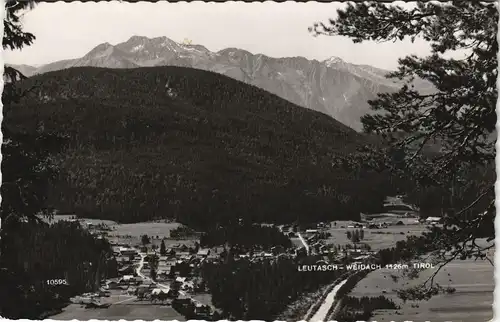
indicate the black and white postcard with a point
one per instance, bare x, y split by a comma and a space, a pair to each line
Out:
249, 161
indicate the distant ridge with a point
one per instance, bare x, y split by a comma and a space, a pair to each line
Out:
332, 86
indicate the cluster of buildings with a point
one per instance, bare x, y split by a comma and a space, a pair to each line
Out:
316, 239
126, 259
274, 253
175, 294
178, 260
178, 267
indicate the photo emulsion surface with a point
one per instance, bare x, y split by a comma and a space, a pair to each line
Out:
249, 161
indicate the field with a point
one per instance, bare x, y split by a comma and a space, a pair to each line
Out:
123, 306
149, 228
86, 220
131, 233
128, 310
472, 301
160, 229
377, 238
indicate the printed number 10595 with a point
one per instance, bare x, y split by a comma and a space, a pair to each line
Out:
57, 282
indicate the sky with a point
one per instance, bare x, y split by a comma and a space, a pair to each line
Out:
70, 30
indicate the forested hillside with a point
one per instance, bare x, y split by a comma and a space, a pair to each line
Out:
182, 143
39, 254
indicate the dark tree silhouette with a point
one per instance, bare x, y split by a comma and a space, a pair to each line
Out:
32, 251
13, 149
145, 240
163, 249
459, 113
152, 273
355, 236
14, 38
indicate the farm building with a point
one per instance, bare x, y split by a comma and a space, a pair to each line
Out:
204, 252
124, 251
127, 279
183, 255
180, 280
158, 291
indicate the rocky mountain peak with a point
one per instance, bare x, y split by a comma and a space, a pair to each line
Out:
102, 49
333, 86
332, 61
137, 39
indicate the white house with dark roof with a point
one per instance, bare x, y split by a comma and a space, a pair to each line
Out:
157, 291
203, 252
124, 251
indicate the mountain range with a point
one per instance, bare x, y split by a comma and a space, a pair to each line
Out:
333, 86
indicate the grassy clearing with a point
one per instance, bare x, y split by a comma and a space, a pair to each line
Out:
130, 233
86, 220
127, 311
377, 238
123, 306
472, 301
149, 228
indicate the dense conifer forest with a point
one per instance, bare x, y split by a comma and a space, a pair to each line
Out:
46, 264
199, 147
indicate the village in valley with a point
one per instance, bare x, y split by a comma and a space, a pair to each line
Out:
159, 263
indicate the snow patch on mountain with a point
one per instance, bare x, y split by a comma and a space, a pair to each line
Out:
333, 61
137, 48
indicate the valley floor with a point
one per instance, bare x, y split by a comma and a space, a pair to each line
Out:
128, 310
472, 301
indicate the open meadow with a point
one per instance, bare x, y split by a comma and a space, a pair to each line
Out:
160, 229
83, 220
376, 238
123, 306
131, 233
129, 310
471, 302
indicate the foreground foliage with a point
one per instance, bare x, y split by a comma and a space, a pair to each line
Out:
41, 253
460, 113
34, 254
259, 289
